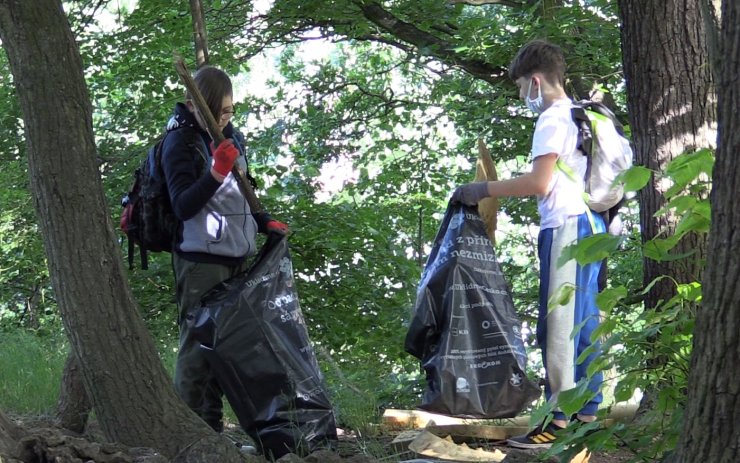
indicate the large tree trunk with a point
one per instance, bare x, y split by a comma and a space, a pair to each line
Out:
133, 398
672, 109
712, 417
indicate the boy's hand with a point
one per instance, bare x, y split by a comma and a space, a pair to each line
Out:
470, 193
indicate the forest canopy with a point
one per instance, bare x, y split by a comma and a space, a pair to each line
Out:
360, 118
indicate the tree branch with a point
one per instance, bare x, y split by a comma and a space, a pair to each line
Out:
381, 39
510, 3
428, 44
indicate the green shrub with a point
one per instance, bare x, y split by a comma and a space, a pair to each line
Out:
30, 372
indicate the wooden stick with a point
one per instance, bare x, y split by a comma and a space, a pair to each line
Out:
487, 207
216, 135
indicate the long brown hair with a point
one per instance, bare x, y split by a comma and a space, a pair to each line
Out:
214, 84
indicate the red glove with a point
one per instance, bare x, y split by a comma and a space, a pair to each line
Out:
278, 227
224, 157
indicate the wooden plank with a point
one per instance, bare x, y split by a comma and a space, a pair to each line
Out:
409, 419
415, 419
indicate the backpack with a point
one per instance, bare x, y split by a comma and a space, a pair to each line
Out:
601, 139
147, 218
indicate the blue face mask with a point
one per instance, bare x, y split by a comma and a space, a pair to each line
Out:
535, 105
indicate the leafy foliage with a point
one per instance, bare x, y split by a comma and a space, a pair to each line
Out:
358, 130
649, 348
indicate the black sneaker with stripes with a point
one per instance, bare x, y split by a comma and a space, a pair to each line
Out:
538, 438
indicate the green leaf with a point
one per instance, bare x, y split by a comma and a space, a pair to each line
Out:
635, 178
680, 204
605, 328
561, 296
607, 299
686, 168
310, 171
625, 389
542, 414
572, 400
590, 350
690, 291
590, 249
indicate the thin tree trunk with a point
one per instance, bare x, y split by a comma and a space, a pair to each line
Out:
130, 390
199, 33
712, 417
73, 407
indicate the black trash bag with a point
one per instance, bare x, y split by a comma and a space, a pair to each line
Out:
254, 335
464, 328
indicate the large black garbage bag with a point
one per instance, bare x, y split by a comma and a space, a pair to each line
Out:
464, 328
253, 331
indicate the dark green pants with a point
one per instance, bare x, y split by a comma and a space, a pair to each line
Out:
194, 380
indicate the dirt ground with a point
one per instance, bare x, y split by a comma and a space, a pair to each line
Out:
351, 446
50, 444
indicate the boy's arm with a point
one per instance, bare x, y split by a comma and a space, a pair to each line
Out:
535, 182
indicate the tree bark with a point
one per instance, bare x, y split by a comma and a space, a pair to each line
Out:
133, 398
10, 434
199, 33
73, 406
712, 417
672, 109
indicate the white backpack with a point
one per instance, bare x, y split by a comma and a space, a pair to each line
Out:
601, 139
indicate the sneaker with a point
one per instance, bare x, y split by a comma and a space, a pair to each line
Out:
574, 419
538, 438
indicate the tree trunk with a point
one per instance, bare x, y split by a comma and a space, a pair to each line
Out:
199, 33
712, 417
672, 109
73, 407
133, 398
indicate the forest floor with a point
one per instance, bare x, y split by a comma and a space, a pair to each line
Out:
49, 443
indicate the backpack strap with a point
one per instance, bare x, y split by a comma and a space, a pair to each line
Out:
193, 140
585, 135
602, 109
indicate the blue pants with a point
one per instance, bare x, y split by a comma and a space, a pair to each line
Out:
555, 324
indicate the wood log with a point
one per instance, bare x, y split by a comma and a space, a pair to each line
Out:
415, 419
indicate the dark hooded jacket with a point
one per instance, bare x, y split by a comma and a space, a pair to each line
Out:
216, 224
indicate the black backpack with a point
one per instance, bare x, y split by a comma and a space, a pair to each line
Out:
147, 218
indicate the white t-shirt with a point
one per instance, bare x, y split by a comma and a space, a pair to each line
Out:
556, 132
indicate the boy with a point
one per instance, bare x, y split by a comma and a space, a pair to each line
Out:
539, 71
